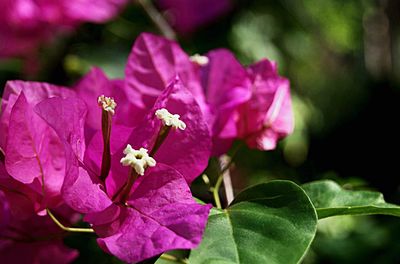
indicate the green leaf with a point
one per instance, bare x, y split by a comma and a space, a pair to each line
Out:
272, 222
330, 199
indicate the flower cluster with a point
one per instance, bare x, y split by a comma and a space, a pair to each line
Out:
252, 104
23, 229
123, 152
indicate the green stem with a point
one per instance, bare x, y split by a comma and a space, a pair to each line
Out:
216, 191
217, 185
68, 229
233, 155
173, 258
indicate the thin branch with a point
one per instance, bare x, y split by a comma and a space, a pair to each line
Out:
224, 175
173, 258
224, 161
157, 19
232, 157
216, 191
69, 229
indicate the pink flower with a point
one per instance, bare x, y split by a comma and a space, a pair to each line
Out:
27, 24
35, 239
186, 16
29, 201
151, 208
253, 104
24, 225
34, 155
24, 236
96, 83
40, 121
225, 86
219, 83
267, 116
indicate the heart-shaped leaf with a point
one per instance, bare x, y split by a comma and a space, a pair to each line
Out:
272, 222
330, 199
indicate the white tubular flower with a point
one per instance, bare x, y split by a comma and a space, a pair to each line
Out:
107, 103
200, 60
169, 119
137, 159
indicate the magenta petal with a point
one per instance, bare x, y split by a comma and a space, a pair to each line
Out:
187, 16
98, 11
26, 24
7, 104
225, 80
67, 117
22, 153
278, 120
96, 83
29, 201
104, 217
4, 211
38, 252
153, 63
31, 238
161, 186
78, 182
93, 156
267, 116
130, 109
35, 239
226, 86
34, 93
34, 151
187, 151
161, 216
89, 88
107, 222
280, 114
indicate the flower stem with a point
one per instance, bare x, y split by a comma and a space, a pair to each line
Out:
216, 191
162, 135
232, 157
68, 229
227, 179
123, 193
2, 156
157, 19
224, 170
173, 258
106, 131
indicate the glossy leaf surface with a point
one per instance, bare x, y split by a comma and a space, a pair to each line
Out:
272, 222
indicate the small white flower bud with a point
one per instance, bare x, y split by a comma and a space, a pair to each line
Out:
200, 60
137, 159
169, 119
107, 103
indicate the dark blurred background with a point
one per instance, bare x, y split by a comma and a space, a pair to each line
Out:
343, 60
